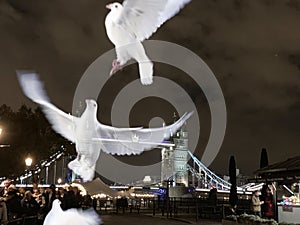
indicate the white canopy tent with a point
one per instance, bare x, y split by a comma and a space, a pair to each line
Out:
97, 186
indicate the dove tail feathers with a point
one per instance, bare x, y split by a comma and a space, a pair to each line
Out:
82, 169
146, 72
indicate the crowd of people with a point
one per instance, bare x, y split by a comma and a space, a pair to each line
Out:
32, 204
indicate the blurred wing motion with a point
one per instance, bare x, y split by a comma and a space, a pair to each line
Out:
171, 9
71, 216
143, 18
61, 122
127, 141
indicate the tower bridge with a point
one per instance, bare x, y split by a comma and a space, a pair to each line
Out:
178, 164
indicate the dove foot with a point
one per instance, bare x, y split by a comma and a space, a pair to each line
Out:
115, 67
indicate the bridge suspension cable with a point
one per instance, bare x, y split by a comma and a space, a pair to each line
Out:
206, 178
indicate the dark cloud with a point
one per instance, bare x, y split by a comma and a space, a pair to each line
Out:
252, 46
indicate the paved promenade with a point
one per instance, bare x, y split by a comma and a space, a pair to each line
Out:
140, 219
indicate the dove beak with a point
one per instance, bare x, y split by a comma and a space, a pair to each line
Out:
108, 6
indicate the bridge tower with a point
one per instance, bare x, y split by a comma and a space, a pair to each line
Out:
181, 158
174, 159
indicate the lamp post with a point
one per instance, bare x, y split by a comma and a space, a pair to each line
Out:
169, 183
28, 162
2, 146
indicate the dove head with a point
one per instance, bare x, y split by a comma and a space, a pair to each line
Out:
116, 6
91, 105
56, 205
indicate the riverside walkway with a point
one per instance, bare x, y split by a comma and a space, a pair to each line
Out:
135, 219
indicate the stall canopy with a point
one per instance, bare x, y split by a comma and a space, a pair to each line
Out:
284, 171
97, 186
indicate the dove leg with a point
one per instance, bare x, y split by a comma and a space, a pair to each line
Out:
122, 58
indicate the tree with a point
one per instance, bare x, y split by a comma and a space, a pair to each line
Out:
27, 131
264, 158
232, 177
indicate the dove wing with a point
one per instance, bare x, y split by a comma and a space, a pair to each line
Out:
144, 17
61, 122
171, 9
130, 141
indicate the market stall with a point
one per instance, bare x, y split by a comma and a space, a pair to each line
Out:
285, 176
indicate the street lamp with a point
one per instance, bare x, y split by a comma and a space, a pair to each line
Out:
28, 162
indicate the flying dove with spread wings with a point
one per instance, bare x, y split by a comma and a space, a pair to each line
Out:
91, 136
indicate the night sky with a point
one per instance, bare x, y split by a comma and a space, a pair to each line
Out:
252, 47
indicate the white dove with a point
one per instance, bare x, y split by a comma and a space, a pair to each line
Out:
129, 24
89, 135
71, 216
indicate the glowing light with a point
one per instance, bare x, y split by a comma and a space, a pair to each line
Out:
103, 196
80, 187
28, 161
